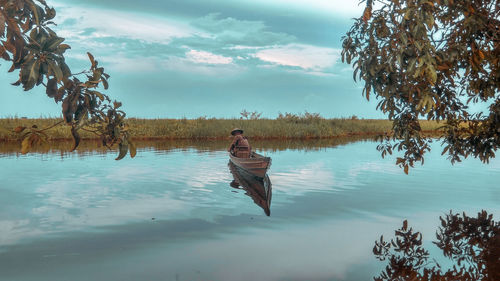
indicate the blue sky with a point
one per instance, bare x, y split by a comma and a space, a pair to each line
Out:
214, 58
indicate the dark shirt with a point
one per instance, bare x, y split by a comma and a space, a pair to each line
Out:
239, 141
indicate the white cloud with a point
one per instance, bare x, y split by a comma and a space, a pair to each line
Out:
307, 57
132, 41
231, 31
112, 23
241, 47
189, 66
331, 7
207, 57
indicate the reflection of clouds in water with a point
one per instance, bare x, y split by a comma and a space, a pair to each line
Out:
321, 253
12, 230
313, 177
115, 211
86, 192
77, 203
81, 215
120, 195
200, 175
386, 167
69, 192
132, 173
319, 176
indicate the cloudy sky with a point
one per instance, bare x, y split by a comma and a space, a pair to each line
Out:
191, 58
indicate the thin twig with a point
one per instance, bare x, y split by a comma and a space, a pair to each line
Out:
91, 131
82, 72
51, 126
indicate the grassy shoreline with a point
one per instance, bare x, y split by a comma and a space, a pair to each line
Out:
290, 127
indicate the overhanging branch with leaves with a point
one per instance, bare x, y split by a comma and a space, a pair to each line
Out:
37, 52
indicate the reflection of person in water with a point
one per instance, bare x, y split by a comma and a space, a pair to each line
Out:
240, 146
260, 190
234, 184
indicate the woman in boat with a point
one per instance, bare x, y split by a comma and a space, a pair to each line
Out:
240, 147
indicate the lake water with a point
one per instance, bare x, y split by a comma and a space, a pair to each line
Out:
171, 213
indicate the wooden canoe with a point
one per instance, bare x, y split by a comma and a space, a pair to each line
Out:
259, 189
256, 164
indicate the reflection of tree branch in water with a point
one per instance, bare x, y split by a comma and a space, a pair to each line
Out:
474, 243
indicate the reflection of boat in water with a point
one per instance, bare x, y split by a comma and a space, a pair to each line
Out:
256, 164
259, 188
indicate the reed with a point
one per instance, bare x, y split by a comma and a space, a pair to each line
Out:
290, 126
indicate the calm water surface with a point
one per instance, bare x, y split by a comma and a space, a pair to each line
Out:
171, 214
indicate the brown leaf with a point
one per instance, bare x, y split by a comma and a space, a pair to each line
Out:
2, 25
68, 116
19, 129
26, 145
51, 90
3, 53
481, 54
367, 14
76, 138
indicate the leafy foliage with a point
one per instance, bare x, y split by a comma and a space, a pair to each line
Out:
38, 53
306, 117
431, 59
473, 243
250, 115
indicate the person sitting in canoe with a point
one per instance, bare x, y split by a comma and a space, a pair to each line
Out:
240, 146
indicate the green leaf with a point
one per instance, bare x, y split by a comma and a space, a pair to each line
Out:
123, 149
432, 74
132, 149
52, 44
33, 47
25, 71
56, 70
429, 21
36, 13
34, 34
76, 138
105, 84
116, 132
51, 13
411, 65
34, 72
64, 68
92, 60
26, 144
62, 48
41, 36
98, 94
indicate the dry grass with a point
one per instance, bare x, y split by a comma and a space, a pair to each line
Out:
308, 126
